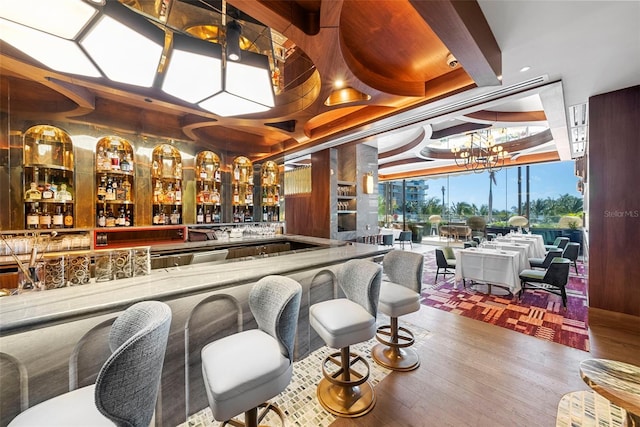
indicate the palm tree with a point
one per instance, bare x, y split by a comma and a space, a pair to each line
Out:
492, 180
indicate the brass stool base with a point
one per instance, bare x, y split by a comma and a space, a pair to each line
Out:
253, 417
345, 401
396, 359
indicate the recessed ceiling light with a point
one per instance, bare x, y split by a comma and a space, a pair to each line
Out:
525, 68
338, 84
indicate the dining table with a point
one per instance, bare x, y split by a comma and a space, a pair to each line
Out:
491, 266
521, 248
534, 242
618, 382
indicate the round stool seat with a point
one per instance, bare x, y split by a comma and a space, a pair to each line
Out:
342, 322
258, 373
73, 409
397, 300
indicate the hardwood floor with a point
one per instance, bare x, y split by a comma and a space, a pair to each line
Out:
475, 374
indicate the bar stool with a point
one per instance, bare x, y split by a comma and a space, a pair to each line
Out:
398, 297
244, 370
126, 389
342, 322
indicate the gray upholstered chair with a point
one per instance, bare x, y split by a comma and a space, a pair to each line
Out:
558, 243
554, 279
571, 252
546, 261
444, 263
126, 389
244, 370
398, 296
345, 390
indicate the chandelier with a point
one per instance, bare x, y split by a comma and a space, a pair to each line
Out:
106, 39
480, 152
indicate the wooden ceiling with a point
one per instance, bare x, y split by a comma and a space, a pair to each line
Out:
394, 51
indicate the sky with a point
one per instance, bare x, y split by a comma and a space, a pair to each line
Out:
546, 180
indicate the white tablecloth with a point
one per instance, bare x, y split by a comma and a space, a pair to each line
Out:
522, 248
533, 241
394, 231
489, 266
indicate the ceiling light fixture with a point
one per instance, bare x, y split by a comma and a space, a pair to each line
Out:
234, 30
480, 153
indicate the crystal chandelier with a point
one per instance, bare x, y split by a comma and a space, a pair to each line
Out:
480, 152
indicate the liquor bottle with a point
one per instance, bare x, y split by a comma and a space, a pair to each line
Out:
111, 220
156, 217
58, 218
102, 161
125, 164
157, 190
155, 168
207, 216
126, 187
203, 173
200, 216
120, 221
102, 220
250, 179
276, 194
45, 218
33, 218
115, 160
236, 195
64, 195
175, 216
236, 173
128, 222
102, 188
33, 193
264, 195
120, 192
110, 191
47, 194
68, 217
178, 193
215, 196
216, 175
264, 213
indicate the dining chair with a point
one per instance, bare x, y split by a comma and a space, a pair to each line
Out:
546, 261
571, 252
126, 389
443, 263
554, 279
558, 243
404, 237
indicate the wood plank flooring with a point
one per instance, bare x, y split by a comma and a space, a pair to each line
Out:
475, 374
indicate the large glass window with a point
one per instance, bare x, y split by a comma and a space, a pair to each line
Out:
496, 196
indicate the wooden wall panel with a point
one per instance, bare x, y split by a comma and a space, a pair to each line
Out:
614, 213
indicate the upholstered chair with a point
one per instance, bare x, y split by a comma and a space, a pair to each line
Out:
398, 296
344, 389
571, 252
244, 370
405, 237
546, 261
554, 279
558, 243
444, 264
126, 389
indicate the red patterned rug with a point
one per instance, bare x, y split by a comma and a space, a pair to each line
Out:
538, 313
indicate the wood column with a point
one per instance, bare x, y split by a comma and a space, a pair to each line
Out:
614, 201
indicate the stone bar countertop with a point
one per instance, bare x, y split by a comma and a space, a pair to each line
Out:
42, 308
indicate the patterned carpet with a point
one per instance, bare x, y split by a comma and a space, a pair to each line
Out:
537, 313
299, 402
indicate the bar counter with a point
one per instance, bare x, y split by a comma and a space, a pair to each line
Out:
56, 339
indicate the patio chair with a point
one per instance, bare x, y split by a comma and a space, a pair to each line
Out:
546, 261
404, 237
444, 263
559, 243
571, 252
554, 279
